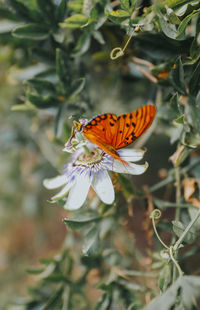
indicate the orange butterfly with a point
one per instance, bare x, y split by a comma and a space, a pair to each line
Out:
111, 132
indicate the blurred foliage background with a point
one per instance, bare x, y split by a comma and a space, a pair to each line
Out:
57, 66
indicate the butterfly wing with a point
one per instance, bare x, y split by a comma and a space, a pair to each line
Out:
111, 133
101, 130
132, 125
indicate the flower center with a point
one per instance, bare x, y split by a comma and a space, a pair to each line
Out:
94, 156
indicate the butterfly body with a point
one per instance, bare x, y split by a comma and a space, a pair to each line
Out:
111, 132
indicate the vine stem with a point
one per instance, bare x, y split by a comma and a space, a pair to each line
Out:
171, 250
178, 242
178, 192
170, 178
177, 217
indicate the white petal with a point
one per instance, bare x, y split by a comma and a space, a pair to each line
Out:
103, 186
131, 168
78, 193
131, 154
63, 192
55, 182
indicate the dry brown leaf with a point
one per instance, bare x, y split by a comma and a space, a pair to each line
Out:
190, 185
174, 158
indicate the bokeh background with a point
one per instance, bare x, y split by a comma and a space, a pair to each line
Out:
36, 119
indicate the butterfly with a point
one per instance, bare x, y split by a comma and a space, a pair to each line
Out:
111, 132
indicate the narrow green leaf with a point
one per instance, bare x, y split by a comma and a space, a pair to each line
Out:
41, 85
55, 301
77, 223
61, 10
35, 271
77, 86
26, 13
42, 102
47, 261
194, 83
31, 31
176, 76
185, 22
63, 70
74, 21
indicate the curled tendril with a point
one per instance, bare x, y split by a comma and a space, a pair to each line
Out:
116, 53
156, 214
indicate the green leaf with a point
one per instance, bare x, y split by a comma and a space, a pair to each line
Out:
31, 31
128, 5
91, 242
174, 103
168, 28
26, 13
179, 228
75, 6
164, 278
194, 83
42, 102
183, 293
184, 23
124, 4
63, 70
75, 21
193, 213
81, 222
83, 44
35, 271
23, 107
77, 86
117, 16
47, 261
61, 10
173, 18
55, 301
176, 76
47, 9
180, 120
194, 52
128, 187
41, 85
